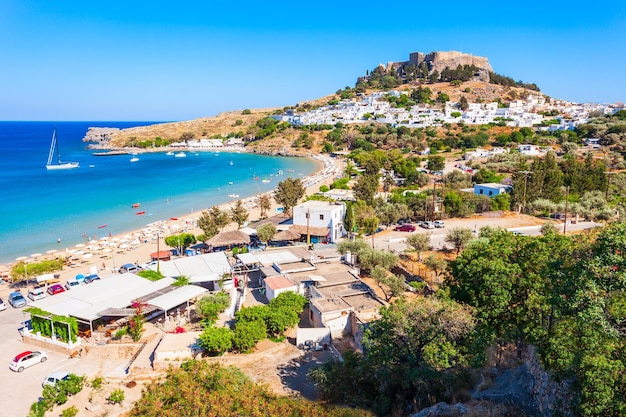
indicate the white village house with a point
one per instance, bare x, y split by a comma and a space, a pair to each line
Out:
313, 215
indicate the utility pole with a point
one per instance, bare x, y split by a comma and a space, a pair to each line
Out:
525, 173
434, 198
308, 235
566, 205
158, 252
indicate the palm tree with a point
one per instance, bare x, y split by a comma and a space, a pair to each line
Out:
265, 203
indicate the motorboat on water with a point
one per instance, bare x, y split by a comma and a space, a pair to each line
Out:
169, 153
233, 195
54, 151
180, 155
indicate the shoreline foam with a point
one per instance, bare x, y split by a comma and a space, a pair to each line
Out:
328, 168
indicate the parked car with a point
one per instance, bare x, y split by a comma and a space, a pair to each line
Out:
26, 359
37, 294
56, 289
17, 300
557, 216
3, 305
91, 278
129, 268
72, 283
55, 377
428, 225
439, 223
404, 228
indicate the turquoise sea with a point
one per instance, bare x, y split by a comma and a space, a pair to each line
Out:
38, 207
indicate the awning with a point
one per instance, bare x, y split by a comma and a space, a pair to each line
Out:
177, 297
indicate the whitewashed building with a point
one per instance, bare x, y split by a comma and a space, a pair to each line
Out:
321, 214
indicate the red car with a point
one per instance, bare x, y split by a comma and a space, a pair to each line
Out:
55, 289
404, 228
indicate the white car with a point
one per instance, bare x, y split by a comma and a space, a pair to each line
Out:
3, 305
26, 359
55, 377
72, 283
439, 223
37, 294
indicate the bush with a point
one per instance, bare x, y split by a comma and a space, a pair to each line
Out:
121, 332
246, 111
97, 383
117, 396
69, 412
216, 340
247, 334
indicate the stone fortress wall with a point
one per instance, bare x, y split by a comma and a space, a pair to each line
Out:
440, 60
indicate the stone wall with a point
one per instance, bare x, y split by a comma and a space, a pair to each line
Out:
440, 60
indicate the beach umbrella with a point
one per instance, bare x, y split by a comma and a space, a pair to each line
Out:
128, 237
21, 258
107, 250
124, 246
35, 255
78, 252
115, 239
88, 255
80, 245
51, 251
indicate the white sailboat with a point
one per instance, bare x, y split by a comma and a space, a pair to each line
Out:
54, 150
134, 158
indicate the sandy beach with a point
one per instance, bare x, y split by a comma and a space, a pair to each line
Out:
108, 253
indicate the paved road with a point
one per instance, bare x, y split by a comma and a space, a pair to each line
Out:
396, 241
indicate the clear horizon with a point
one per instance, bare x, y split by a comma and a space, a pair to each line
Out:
136, 61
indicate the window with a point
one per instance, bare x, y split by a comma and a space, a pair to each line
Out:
490, 192
321, 217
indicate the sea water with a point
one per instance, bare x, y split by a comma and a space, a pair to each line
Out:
42, 210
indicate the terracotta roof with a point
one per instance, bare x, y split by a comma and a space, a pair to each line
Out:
278, 282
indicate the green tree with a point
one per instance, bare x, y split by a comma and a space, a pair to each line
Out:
366, 187
459, 237
390, 284
419, 242
207, 223
436, 163
247, 334
288, 193
216, 340
265, 203
266, 231
220, 217
209, 307
180, 241
239, 214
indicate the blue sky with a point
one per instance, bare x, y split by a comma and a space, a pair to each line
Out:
156, 60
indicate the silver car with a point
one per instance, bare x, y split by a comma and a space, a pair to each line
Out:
17, 300
3, 305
